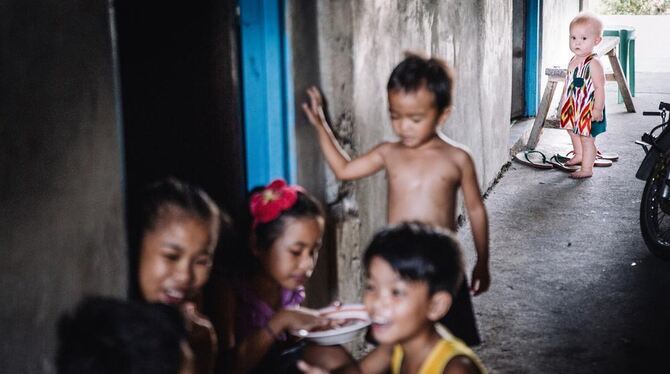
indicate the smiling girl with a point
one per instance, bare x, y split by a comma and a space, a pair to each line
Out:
178, 231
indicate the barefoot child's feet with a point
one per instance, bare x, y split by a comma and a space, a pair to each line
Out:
581, 174
575, 160
570, 158
588, 158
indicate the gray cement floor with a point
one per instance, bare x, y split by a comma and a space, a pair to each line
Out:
574, 288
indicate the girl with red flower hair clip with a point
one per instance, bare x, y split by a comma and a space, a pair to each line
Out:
264, 302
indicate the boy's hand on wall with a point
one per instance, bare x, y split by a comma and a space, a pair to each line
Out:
481, 278
314, 110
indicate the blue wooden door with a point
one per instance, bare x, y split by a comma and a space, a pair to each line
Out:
266, 84
533, 54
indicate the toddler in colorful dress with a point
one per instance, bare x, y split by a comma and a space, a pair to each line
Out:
583, 99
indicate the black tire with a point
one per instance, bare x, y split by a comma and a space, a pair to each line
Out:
655, 214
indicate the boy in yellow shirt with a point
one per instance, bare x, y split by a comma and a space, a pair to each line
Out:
413, 272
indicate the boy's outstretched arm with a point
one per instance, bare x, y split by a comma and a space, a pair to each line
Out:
481, 278
342, 165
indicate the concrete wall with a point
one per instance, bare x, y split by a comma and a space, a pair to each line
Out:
556, 17
301, 30
359, 43
61, 202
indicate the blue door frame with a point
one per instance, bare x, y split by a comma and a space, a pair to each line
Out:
533, 55
267, 92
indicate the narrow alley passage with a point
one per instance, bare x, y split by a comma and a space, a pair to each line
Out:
574, 288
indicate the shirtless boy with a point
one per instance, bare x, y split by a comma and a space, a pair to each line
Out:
424, 168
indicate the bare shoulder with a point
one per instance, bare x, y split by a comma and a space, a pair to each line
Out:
386, 146
572, 63
391, 147
461, 365
457, 152
383, 149
596, 64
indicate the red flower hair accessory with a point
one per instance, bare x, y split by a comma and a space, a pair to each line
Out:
276, 197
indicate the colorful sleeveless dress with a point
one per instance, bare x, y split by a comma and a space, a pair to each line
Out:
438, 358
579, 100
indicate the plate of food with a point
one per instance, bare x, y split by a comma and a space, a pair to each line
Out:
348, 321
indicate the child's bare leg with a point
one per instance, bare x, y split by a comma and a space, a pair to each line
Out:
588, 158
576, 147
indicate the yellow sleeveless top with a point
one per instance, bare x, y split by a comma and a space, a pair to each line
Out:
438, 358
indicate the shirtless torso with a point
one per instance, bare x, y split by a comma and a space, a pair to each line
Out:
423, 182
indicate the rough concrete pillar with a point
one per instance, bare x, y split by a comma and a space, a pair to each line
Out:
61, 200
335, 52
301, 28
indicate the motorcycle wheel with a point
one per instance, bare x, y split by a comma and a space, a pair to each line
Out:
655, 213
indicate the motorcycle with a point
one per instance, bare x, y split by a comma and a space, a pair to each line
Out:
655, 170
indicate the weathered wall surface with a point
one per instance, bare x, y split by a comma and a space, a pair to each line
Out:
359, 44
302, 35
556, 17
61, 202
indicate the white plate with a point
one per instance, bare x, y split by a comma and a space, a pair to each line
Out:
343, 334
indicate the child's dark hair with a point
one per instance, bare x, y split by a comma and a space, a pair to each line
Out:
168, 193
415, 72
419, 252
305, 206
106, 335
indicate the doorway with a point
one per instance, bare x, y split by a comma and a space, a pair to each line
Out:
526, 52
179, 94
518, 59
180, 104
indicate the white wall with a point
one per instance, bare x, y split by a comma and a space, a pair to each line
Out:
556, 17
652, 34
